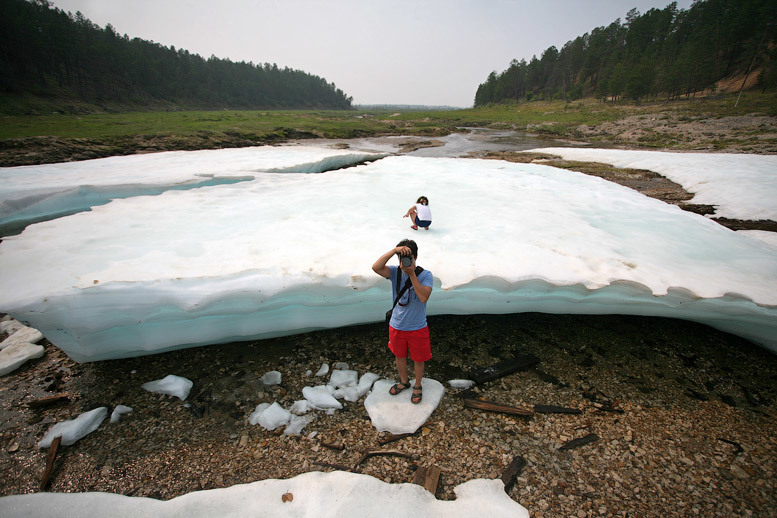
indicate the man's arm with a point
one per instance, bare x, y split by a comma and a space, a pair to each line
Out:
421, 290
380, 265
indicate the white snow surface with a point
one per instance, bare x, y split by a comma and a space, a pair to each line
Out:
32, 192
739, 186
397, 414
286, 253
336, 495
770, 238
170, 385
74, 429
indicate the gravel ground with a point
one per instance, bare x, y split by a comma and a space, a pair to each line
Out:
685, 417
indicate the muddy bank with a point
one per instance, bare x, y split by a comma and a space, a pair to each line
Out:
683, 132
685, 416
662, 130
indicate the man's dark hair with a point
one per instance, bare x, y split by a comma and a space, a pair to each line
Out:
411, 245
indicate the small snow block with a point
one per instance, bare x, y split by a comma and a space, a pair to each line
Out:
582, 441
503, 368
17, 354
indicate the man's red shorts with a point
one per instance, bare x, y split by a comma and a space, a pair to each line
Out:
418, 342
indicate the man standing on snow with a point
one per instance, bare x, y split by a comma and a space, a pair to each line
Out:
408, 331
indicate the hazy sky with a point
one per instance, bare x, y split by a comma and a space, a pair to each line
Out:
433, 52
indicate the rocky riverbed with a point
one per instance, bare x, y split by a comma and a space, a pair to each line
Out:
684, 416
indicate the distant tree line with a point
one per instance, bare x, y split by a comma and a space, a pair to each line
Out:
664, 52
47, 52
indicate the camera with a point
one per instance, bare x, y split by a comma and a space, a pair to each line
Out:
406, 260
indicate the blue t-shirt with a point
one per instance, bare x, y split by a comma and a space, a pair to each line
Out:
409, 313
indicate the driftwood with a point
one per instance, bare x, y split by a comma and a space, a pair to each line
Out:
549, 409
582, 441
374, 453
608, 407
735, 444
333, 445
497, 407
391, 438
503, 368
428, 477
50, 462
49, 400
512, 472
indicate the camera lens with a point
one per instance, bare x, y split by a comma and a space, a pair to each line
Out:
406, 260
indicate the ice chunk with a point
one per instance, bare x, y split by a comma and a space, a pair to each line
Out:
17, 354
171, 385
461, 384
349, 393
270, 416
118, 412
396, 414
297, 423
272, 378
366, 382
323, 370
74, 429
342, 366
320, 398
21, 334
300, 407
343, 378
10, 325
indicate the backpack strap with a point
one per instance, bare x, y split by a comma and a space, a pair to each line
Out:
404, 288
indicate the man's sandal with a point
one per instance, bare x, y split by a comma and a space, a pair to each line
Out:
417, 395
399, 387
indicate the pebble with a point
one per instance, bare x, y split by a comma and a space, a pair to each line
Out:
660, 457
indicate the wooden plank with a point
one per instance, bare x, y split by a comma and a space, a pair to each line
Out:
50, 462
582, 441
550, 409
428, 477
492, 406
503, 368
49, 400
512, 472
391, 438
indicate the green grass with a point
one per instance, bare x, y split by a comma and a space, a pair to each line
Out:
553, 117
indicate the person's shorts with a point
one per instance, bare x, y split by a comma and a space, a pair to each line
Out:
422, 222
417, 342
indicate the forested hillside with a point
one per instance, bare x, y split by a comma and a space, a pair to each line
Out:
661, 53
47, 53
